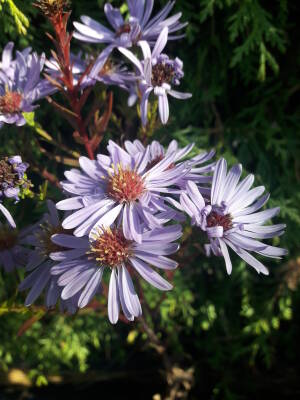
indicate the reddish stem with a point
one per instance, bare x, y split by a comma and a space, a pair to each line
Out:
62, 43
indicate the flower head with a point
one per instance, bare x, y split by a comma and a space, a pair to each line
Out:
231, 219
157, 73
81, 267
12, 177
20, 85
119, 187
126, 33
39, 264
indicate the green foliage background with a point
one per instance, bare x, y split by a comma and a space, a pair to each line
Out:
239, 333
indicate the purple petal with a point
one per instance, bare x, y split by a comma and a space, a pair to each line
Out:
158, 261
76, 284
150, 275
226, 256
91, 288
257, 265
130, 297
160, 43
132, 58
70, 241
163, 107
113, 298
179, 95
218, 181
144, 105
107, 220
114, 16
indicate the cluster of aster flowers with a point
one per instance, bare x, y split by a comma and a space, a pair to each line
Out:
117, 207
123, 215
156, 72
21, 85
123, 211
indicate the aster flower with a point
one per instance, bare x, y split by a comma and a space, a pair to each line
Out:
21, 85
139, 26
157, 73
110, 73
157, 153
81, 267
39, 264
12, 177
115, 74
119, 186
231, 219
13, 253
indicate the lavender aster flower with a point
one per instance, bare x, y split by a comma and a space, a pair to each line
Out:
139, 26
81, 267
12, 177
39, 264
157, 73
13, 253
119, 186
231, 219
20, 85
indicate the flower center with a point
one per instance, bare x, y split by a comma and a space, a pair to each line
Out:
162, 73
10, 102
110, 247
126, 28
8, 177
125, 185
8, 237
44, 238
107, 68
215, 219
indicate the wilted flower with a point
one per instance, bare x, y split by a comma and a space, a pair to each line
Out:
231, 219
157, 73
119, 186
12, 177
39, 264
52, 8
81, 267
21, 85
126, 33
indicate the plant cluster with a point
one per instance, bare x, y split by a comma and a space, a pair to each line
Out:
130, 203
